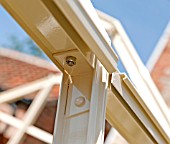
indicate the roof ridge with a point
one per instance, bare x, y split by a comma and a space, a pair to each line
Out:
30, 59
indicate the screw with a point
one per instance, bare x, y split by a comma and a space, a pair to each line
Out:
80, 101
71, 61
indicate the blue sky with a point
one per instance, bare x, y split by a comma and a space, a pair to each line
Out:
144, 22
8, 28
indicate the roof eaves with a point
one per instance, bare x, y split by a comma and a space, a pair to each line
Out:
27, 59
159, 48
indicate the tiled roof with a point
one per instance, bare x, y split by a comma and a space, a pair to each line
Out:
29, 59
17, 69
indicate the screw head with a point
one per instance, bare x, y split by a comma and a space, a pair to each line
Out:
80, 101
70, 61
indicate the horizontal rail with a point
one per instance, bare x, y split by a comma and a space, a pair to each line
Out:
20, 91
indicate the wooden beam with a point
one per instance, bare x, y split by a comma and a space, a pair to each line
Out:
20, 91
31, 130
32, 114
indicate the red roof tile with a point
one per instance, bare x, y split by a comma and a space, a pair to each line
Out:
161, 73
17, 70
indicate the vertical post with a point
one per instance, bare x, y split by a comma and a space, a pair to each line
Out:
81, 110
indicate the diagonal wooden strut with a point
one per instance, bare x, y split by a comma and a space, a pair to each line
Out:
31, 115
44, 85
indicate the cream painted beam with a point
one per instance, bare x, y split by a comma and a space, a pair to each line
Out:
53, 30
81, 109
157, 109
82, 25
128, 115
69, 34
42, 23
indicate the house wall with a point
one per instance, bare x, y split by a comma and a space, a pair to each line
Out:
161, 73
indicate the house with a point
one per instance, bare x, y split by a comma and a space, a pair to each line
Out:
17, 69
159, 65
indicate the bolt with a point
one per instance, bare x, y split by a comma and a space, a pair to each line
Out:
71, 61
80, 101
